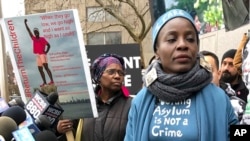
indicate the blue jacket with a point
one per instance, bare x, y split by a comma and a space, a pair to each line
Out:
214, 111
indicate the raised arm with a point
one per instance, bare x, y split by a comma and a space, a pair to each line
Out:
27, 27
238, 55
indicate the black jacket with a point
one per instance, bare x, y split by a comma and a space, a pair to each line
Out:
111, 122
241, 90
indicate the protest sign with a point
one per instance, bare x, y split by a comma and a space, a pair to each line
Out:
56, 58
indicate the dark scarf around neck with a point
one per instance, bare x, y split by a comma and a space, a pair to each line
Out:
177, 87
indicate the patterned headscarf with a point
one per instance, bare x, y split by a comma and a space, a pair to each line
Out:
101, 63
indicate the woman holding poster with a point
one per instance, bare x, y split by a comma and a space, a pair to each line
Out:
113, 101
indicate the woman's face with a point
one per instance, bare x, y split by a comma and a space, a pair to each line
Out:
177, 46
197, 23
112, 77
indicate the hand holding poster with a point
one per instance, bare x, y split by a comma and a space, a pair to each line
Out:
47, 50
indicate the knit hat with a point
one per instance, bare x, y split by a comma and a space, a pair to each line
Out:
162, 20
228, 54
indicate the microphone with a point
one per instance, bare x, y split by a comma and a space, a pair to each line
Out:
37, 125
30, 124
16, 102
1, 138
43, 122
3, 105
22, 134
46, 135
52, 98
16, 113
39, 105
7, 126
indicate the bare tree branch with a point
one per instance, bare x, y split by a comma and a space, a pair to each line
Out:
137, 32
117, 16
105, 27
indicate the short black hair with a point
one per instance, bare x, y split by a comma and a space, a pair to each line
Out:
213, 55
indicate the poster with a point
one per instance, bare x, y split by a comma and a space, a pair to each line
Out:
63, 66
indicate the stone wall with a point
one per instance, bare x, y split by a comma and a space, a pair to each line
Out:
220, 41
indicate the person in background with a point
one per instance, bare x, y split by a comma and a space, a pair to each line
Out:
208, 28
40, 48
213, 60
237, 103
241, 62
230, 74
197, 22
113, 100
241, 59
178, 100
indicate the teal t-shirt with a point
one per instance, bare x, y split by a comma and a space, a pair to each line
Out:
174, 121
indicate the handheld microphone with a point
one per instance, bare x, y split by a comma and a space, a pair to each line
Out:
43, 122
1, 138
46, 135
37, 125
52, 98
16, 113
39, 105
23, 134
16, 102
29, 128
7, 126
29, 123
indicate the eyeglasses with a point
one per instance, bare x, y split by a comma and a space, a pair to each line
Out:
114, 71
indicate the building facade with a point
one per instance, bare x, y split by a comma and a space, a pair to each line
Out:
131, 25
217, 41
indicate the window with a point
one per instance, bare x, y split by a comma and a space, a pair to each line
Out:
98, 14
102, 38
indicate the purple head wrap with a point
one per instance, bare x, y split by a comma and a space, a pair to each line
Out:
101, 63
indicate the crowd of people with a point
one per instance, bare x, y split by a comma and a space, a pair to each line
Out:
182, 90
